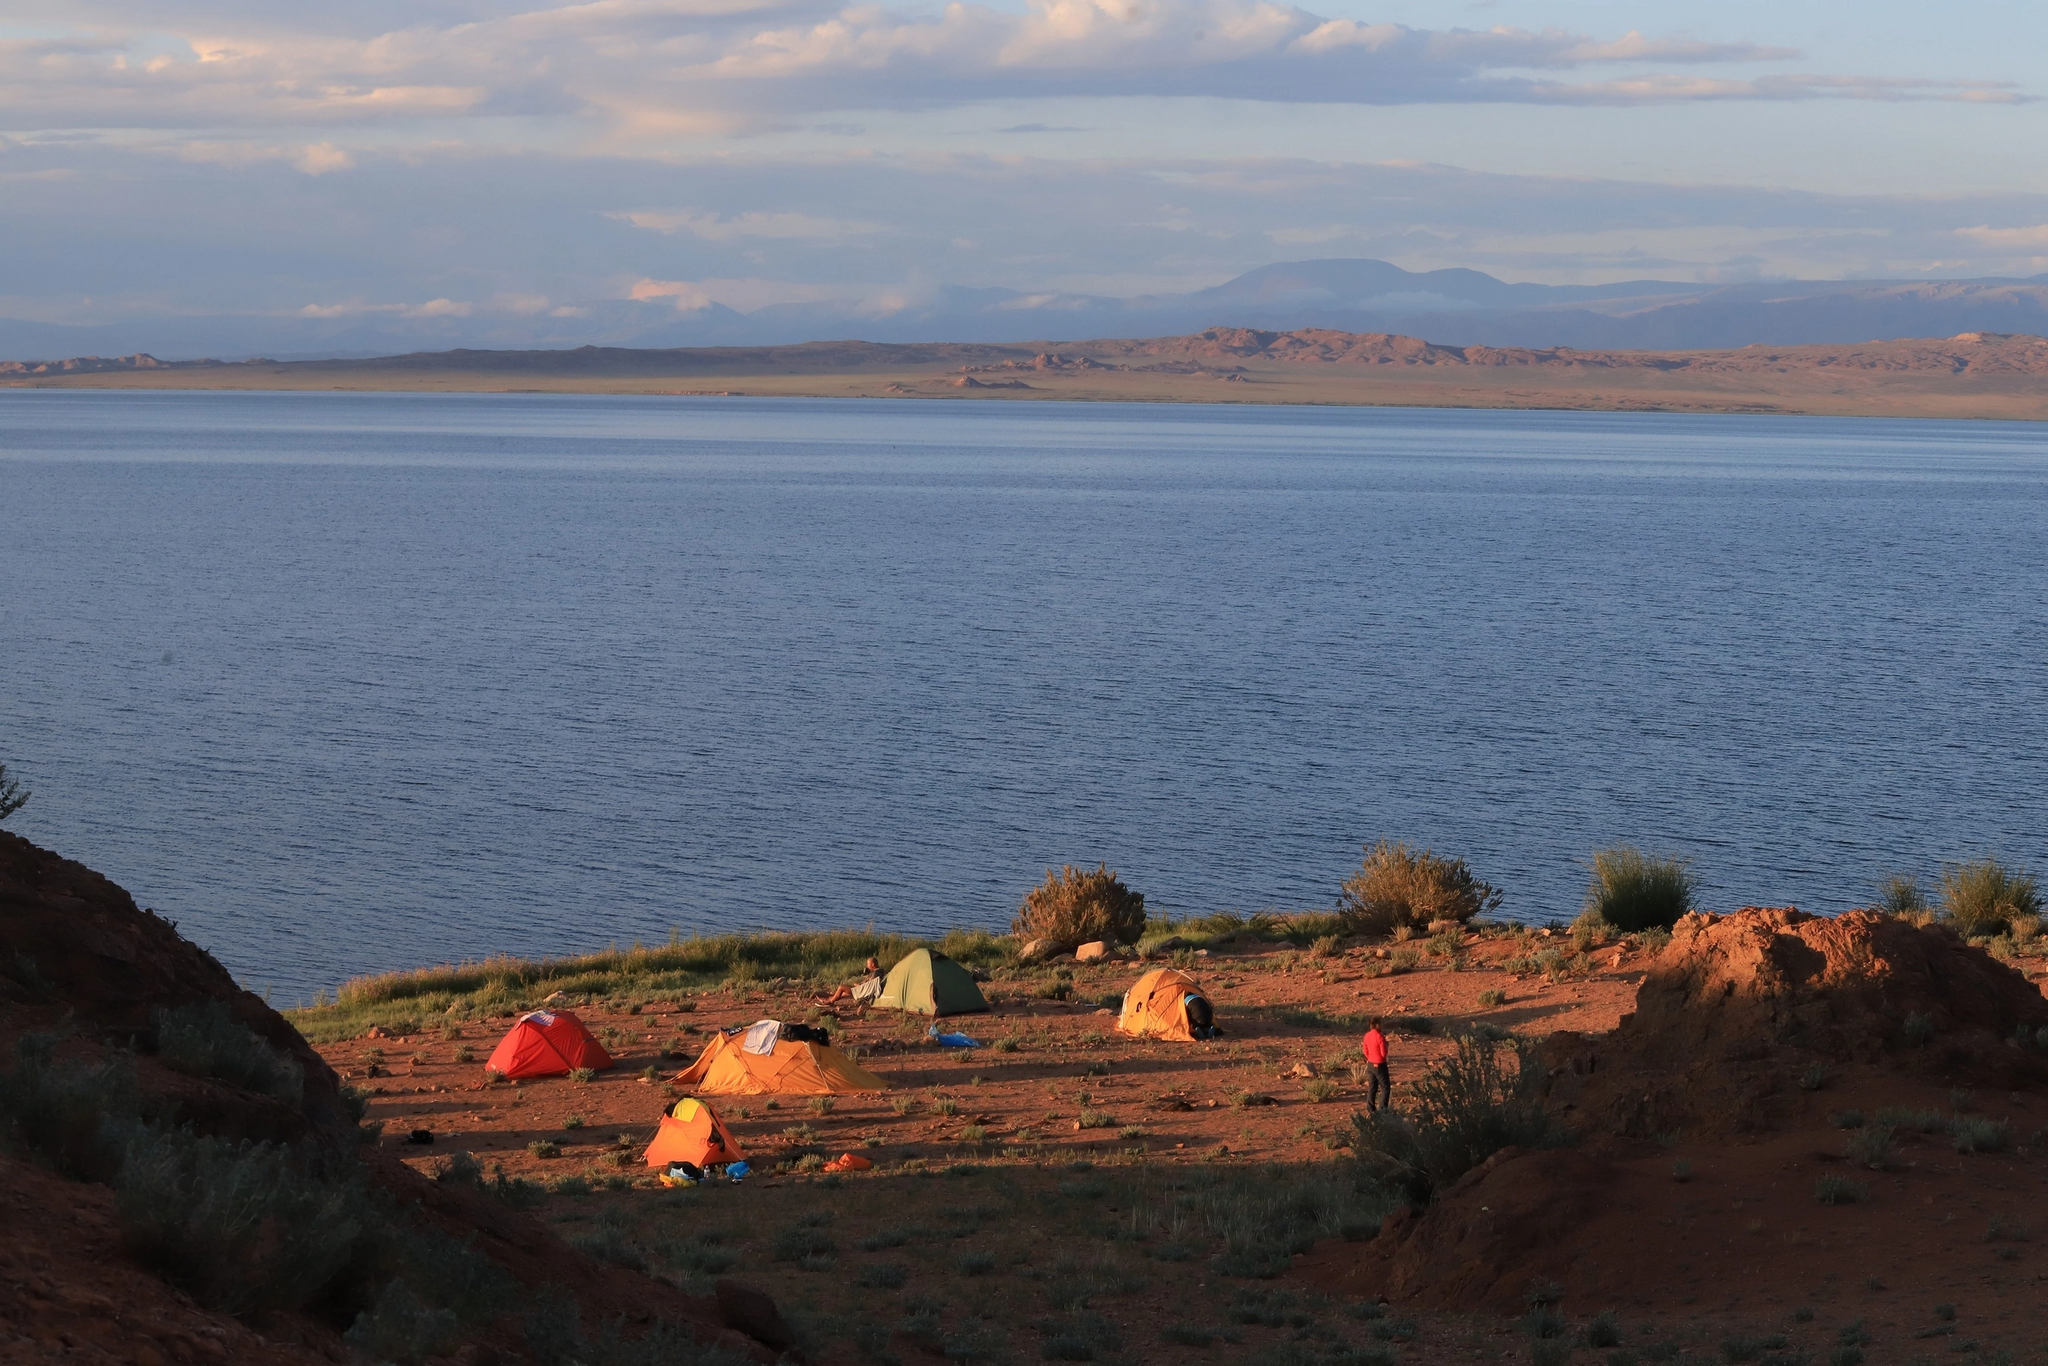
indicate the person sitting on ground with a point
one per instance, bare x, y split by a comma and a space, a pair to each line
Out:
1380, 1089
869, 988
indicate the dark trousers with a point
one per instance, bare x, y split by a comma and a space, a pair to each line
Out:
1379, 1086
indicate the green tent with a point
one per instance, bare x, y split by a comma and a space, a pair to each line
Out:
928, 983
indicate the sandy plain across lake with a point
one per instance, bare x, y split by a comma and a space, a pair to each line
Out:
1981, 375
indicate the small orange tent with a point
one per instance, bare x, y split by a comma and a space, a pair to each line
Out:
692, 1132
547, 1043
1157, 1006
795, 1069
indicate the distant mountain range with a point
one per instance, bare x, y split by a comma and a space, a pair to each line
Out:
1454, 307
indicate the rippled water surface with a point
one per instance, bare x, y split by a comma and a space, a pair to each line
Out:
352, 682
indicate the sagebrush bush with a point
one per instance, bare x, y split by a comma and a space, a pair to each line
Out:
1635, 891
244, 1228
205, 1039
1985, 898
1397, 887
73, 1117
400, 1327
1464, 1109
1075, 906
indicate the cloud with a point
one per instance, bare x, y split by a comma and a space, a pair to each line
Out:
672, 68
323, 157
2033, 239
713, 227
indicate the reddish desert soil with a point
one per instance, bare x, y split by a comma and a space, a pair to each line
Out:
1255, 992
1707, 1234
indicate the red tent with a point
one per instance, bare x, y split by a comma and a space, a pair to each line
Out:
547, 1043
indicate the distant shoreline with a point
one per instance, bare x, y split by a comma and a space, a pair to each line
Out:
1976, 375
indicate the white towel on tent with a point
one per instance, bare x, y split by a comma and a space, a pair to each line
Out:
762, 1036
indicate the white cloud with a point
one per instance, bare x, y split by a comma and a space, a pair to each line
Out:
714, 227
670, 68
2033, 239
323, 157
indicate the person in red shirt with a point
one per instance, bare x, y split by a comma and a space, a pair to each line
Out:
1379, 1089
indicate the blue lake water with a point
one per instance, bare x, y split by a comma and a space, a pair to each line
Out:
347, 682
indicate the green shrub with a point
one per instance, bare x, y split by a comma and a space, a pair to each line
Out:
583, 1074
1871, 1147
573, 1122
1074, 906
1592, 928
976, 1263
1398, 887
400, 1327
544, 1148
243, 1228
1097, 1119
1917, 1028
1492, 996
1901, 894
205, 1040
1980, 1135
1635, 891
1320, 1089
1985, 897
73, 1117
12, 796
609, 1243
800, 1241
882, 1276
1464, 1109
1840, 1190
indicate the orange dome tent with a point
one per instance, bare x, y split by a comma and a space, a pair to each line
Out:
547, 1043
692, 1132
1157, 1006
724, 1068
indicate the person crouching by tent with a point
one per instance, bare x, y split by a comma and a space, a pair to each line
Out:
1379, 1088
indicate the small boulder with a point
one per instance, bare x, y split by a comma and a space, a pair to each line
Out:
753, 1312
1091, 953
1037, 950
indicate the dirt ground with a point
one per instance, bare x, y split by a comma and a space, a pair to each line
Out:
993, 1228
1289, 1019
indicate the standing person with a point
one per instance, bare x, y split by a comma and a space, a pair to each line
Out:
1380, 1088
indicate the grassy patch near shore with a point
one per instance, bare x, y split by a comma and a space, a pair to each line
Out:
401, 1001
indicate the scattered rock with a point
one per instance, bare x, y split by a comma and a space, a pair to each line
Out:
1300, 1069
1092, 952
1037, 950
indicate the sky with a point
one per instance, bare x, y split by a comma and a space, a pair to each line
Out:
477, 158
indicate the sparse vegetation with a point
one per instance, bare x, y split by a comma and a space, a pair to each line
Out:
1902, 895
1872, 1147
1397, 887
1319, 1090
1492, 996
13, 796
1635, 891
206, 1040
1840, 1190
1075, 906
1986, 898
1464, 1109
